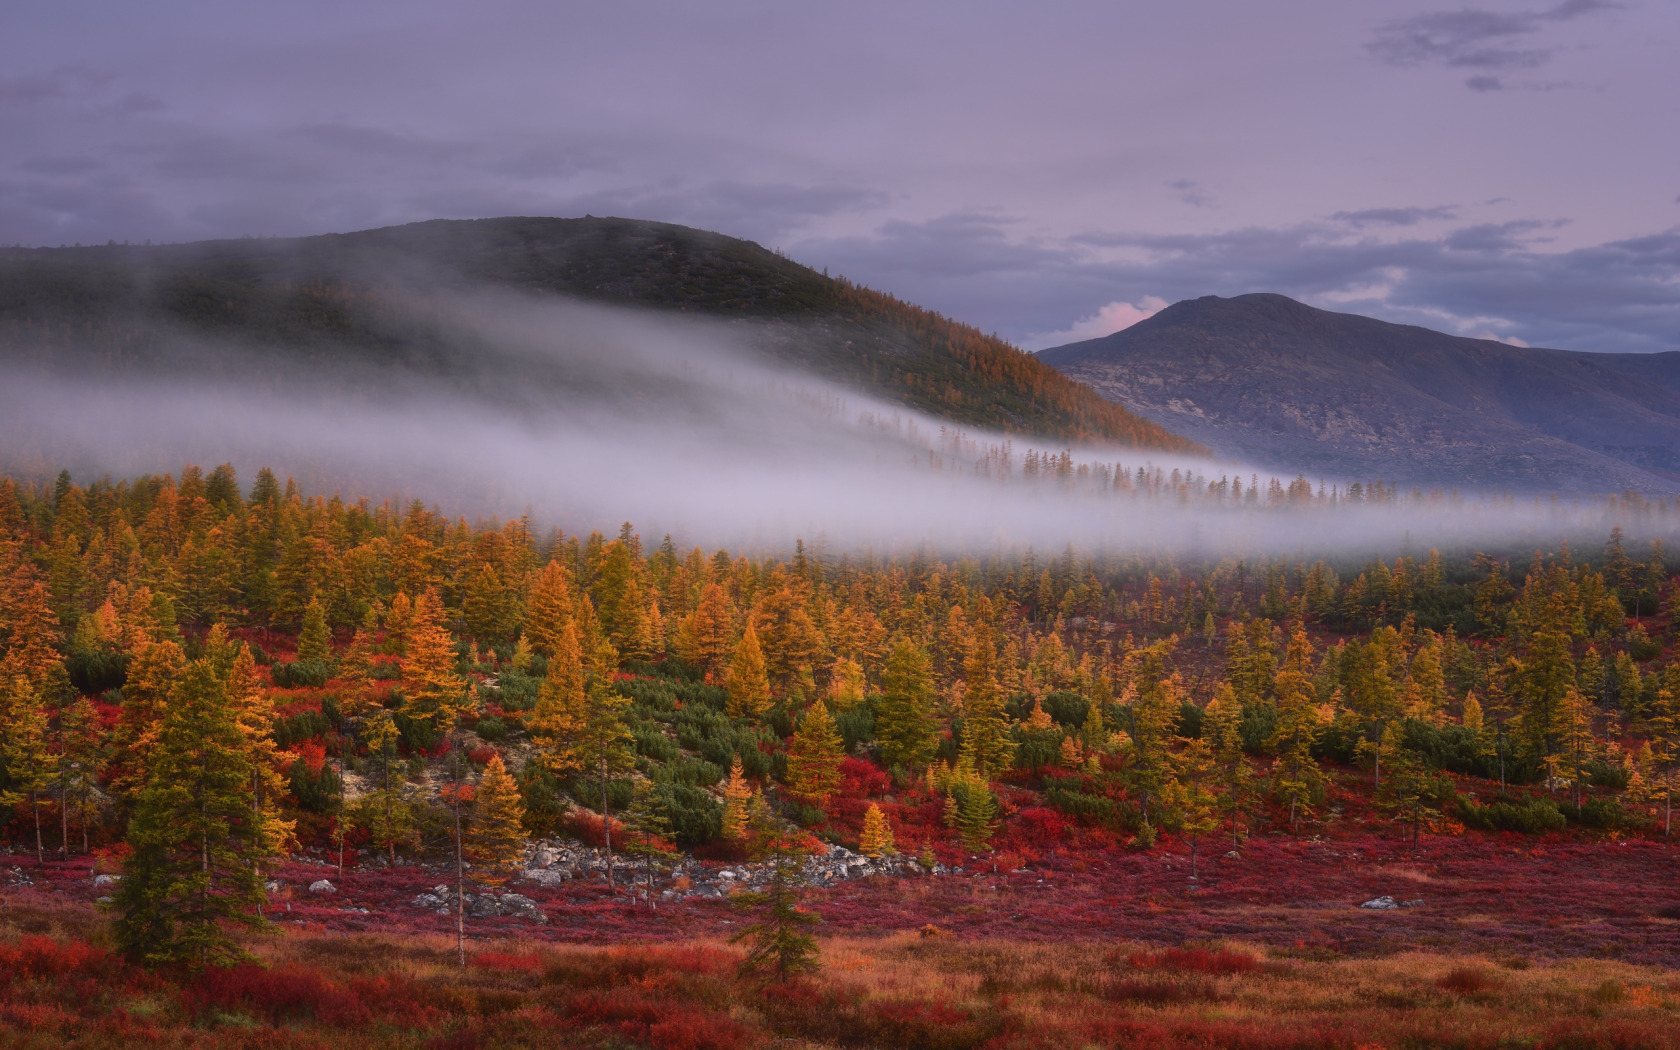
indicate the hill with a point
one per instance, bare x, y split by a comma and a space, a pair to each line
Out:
365, 298
1287, 386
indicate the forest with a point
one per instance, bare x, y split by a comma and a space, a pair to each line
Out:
214, 696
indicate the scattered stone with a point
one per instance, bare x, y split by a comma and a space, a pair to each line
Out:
15, 877
322, 886
1383, 903
101, 881
1233, 855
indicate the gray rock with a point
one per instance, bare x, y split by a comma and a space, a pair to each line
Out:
101, 881
1383, 903
322, 886
522, 907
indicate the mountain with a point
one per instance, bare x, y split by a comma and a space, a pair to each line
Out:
367, 298
1285, 386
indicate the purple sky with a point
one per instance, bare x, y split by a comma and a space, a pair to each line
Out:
1043, 170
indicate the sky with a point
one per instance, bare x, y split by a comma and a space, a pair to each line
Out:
1048, 172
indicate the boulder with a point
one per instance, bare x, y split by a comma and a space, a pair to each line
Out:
1383, 903
322, 886
101, 881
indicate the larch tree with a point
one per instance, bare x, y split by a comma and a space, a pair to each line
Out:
749, 686
649, 819
814, 756
152, 675
1222, 729
737, 799
1191, 805
1156, 700
876, 839
434, 694
986, 743
548, 607
314, 640
905, 724
778, 946
496, 839
26, 756
1298, 778
706, 638
195, 836
557, 722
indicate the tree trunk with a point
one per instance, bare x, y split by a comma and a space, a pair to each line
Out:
1192, 856
40, 851
64, 819
460, 878
606, 822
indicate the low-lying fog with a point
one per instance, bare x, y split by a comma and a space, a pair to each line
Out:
586, 416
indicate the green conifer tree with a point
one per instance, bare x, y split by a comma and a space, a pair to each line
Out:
196, 837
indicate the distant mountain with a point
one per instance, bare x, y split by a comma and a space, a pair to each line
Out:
1289, 387
364, 299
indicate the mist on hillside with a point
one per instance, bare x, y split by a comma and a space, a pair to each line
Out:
585, 416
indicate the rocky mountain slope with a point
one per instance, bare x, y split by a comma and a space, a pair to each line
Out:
1289, 387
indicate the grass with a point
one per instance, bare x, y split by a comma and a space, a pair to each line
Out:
59, 986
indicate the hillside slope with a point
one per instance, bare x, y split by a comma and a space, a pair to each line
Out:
1291, 387
364, 298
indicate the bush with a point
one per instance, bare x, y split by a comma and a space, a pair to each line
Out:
689, 772
514, 690
587, 790
1456, 749
1189, 720
651, 698
316, 792
416, 736
299, 674
1092, 809
540, 791
282, 996
651, 741
491, 728
1504, 813
94, 671
1259, 722
696, 818
305, 725
1604, 814
1068, 709
856, 725
1603, 774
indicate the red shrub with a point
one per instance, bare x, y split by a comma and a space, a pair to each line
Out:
40, 959
1464, 980
280, 996
915, 1024
528, 962
1041, 827
1133, 991
482, 755
1194, 960
861, 779
665, 1024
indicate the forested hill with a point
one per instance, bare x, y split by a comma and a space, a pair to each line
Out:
1285, 385
362, 297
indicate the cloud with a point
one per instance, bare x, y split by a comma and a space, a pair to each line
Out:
1110, 318
1394, 216
1615, 296
1190, 192
1472, 38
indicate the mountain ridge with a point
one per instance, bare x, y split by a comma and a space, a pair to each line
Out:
1289, 386
117, 306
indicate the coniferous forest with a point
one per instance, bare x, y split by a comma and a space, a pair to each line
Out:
293, 766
